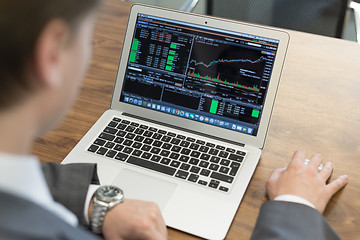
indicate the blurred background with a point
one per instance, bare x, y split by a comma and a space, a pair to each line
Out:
333, 18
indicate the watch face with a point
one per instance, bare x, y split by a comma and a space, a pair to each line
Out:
108, 193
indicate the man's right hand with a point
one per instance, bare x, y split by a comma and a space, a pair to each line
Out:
305, 180
133, 219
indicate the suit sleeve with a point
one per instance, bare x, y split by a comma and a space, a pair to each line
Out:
69, 184
287, 220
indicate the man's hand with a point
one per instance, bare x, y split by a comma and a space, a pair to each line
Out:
133, 219
305, 180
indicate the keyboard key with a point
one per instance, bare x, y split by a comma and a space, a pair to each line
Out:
214, 159
205, 172
171, 134
166, 146
128, 150
165, 153
155, 158
137, 145
107, 136
184, 158
190, 139
214, 184
174, 156
153, 129
100, 142
166, 139
116, 119
93, 148
109, 145
182, 137
155, 150
241, 153
121, 156
205, 156
175, 141
175, 164
194, 146
151, 165
204, 164
139, 131
157, 136
201, 142
194, 161
101, 151
185, 151
134, 124
125, 122
146, 155
235, 165
204, 149
139, 138
157, 143
148, 141
225, 162
230, 150
195, 169
233, 171
130, 136
130, 129
121, 133
222, 177
202, 182
224, 170
175, 149
144, 127
213, 151
121, 126
214, 167
220, 147
110, 130
210, 145
236, 157
224, 189
193, 178
128, 142
185, 166
162, 131
223, 154
181, 174
118, 147
195, 154
184, 143
165, 161
137, 152
146, 148
111, 153
112, 124
118, 140
148, 134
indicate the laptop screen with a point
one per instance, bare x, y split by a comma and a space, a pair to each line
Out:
205, 74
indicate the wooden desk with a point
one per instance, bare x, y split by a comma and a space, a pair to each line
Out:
317, 109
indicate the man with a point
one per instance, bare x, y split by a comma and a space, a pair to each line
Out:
44, 52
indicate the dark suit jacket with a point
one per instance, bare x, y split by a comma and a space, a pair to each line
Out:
22, 219
285, 220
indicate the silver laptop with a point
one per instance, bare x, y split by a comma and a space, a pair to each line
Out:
189, 115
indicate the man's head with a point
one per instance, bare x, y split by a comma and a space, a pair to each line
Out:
45, 49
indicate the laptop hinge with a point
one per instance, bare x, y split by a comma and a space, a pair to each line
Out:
185, 130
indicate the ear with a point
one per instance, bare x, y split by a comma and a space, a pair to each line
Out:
48, 54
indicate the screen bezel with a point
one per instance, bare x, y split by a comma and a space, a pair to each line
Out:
257, 141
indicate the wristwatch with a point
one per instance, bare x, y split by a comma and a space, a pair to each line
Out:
105, 198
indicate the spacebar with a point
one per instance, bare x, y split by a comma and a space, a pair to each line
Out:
151, 165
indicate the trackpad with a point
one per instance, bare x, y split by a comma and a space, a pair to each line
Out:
143, 187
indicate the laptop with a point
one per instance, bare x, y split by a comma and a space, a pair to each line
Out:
189, 114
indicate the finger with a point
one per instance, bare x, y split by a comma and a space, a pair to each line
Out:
298, 158
336, 185
274, 176
326, 171
315, 161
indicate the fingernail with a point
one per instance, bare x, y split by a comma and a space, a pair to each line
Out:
329, 163
345, 177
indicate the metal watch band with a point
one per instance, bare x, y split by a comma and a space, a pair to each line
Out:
97, 217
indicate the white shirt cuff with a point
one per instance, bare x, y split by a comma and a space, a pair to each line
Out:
90, 193
294, 199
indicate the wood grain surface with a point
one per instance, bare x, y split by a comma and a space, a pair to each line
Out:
317, 109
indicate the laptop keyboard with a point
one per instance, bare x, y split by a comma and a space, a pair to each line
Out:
187, 158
